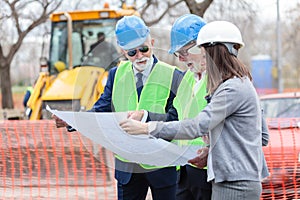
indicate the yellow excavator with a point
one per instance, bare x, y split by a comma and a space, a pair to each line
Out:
73, 77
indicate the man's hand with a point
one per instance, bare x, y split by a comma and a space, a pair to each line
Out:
134, 127
201, 160
136, 115
58, 122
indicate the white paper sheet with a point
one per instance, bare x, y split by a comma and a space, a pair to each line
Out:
104, 129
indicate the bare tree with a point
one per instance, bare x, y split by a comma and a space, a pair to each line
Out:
242, 13
171, 8
198, 8
290, 47
216, 8
17, 19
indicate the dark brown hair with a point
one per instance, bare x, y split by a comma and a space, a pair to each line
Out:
221, 66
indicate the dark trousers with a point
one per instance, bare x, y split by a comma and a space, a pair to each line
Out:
192, 184
162, 183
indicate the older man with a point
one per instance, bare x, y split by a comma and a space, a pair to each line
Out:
141, 83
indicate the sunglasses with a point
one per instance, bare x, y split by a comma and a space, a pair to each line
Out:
142, 49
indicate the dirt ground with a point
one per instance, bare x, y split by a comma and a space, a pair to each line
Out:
62, 193
17, 112
18, 101
59, 193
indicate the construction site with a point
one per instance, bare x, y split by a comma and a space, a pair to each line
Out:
40, 161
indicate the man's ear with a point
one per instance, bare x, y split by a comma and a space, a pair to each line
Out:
124, 53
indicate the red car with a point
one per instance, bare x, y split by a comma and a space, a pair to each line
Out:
282, 112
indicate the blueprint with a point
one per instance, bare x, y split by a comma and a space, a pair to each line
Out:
103, 129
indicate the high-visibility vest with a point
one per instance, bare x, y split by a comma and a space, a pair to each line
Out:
189, 103
30, 89
154, 96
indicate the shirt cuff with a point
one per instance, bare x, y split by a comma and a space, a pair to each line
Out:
145, 116
151, 127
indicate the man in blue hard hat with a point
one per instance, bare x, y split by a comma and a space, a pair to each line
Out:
147, 85
189, 101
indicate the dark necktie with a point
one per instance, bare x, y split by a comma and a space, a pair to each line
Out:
139, 83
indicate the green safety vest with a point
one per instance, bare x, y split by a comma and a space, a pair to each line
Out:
189, 105
153, 97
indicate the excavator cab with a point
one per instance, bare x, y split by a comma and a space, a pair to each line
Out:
86, 47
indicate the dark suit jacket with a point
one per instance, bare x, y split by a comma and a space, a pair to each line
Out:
104, 104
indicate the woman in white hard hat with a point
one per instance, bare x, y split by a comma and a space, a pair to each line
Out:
232, 119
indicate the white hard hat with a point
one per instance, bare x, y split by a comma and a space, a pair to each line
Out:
220, 32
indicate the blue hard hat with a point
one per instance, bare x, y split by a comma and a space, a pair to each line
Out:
184, 30
131, 32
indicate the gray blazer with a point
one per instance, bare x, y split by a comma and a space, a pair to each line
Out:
233, 120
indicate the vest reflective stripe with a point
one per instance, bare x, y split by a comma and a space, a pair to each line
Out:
189, 105
153, 97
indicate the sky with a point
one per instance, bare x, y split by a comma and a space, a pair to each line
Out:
268, 8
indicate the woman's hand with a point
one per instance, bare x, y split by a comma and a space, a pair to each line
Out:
134, 127
201, 160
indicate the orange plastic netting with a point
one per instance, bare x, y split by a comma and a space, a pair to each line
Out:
283, 159
39, 161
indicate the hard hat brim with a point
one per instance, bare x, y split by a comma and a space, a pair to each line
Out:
134, 43
177, 47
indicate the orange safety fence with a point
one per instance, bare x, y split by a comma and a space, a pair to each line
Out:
39, 161
283, 159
